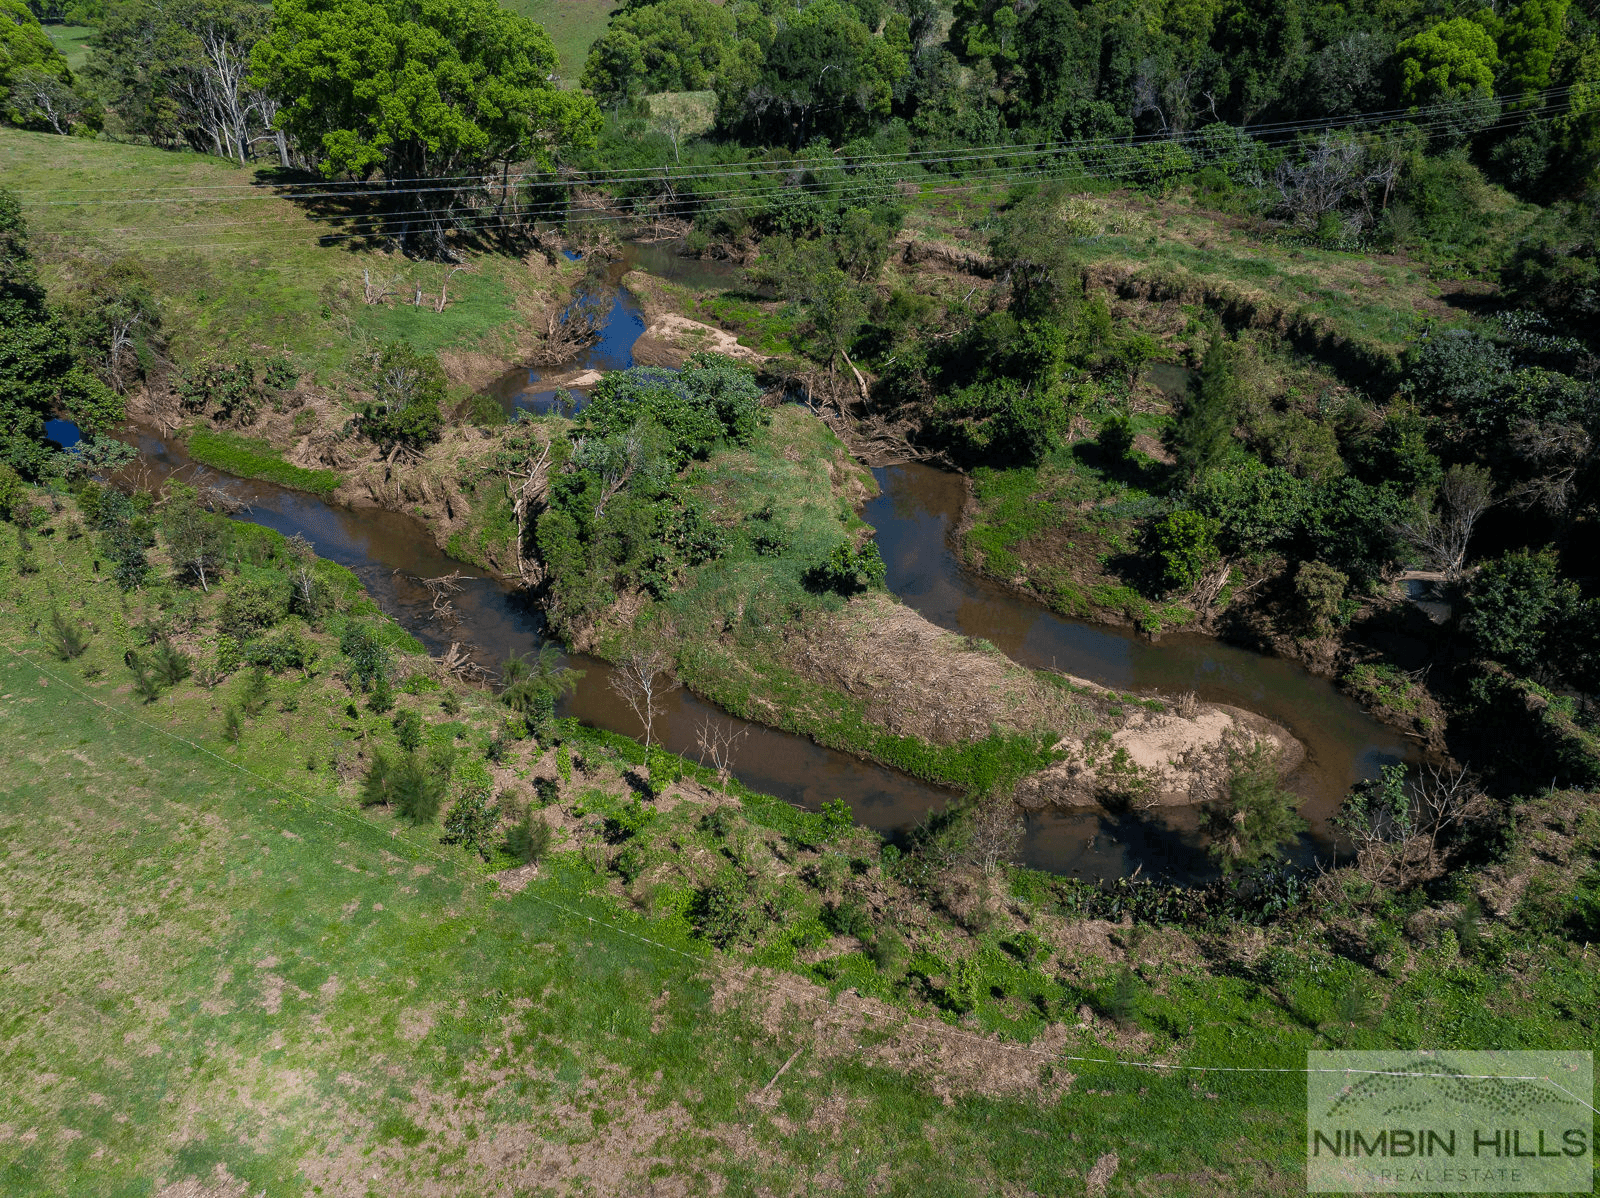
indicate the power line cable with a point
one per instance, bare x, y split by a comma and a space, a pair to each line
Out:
615, 176
692, 205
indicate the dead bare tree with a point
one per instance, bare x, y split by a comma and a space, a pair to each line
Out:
719, 740
642, 680
458, 660
1558, 451
441, 589
568, 332
377, 290
304, 558
1396, 827
1334, 172
527, 483
1439, 532
444, 287
995, 833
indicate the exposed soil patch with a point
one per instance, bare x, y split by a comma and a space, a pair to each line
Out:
919, 680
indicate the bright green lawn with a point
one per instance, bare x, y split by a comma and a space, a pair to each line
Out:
573, 25
71, 41
236, 267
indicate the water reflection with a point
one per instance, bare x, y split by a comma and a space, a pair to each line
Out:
913, 515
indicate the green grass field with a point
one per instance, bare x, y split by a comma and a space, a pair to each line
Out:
573, 25
238, 267
248, 458
218, 968
72, 42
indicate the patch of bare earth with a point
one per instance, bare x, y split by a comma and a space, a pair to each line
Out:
950, 1061
1160, 759
916, 679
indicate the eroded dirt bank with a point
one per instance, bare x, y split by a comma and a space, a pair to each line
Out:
917, 679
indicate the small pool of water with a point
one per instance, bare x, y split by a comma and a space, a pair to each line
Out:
63, 434
527, 388
1170, 379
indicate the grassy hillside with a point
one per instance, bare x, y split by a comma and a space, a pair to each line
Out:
72, 41
573, 25
219, 969
238, 265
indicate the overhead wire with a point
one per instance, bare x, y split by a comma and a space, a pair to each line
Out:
615, 176
383, 224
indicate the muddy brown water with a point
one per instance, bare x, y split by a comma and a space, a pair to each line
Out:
914, 514
390, 552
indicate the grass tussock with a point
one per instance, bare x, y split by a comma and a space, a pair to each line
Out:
248, 458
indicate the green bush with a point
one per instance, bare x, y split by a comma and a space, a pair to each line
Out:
367, 655
65, 639
257, 599
471, 820
285, 649
1185, 544
409, 389
407, 727
848, 570
1519, 607
529, 840
1255, 821
713, 398
1319, 589
721, 912
1116, 438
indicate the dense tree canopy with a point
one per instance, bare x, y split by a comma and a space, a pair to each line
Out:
38, 374
178, 73
434, 89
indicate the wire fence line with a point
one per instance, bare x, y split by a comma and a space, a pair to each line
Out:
834, 1009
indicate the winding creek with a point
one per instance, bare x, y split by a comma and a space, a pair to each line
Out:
913, 515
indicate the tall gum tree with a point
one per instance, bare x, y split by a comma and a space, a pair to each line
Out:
433, 95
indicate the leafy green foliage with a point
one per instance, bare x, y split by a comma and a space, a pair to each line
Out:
1520, 609
1203, 437
1116, 438
466, 85
256, 600
533, 684
849, 569
529, 839
1185, 543
170, 664
281, 650
471, 820
198, 540
409, 389
722, 911
38, 374
1319, 589
407, 730
414, 787
1254, 822
1454, 58
711, 400
671, 46
368, 657
65, 639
